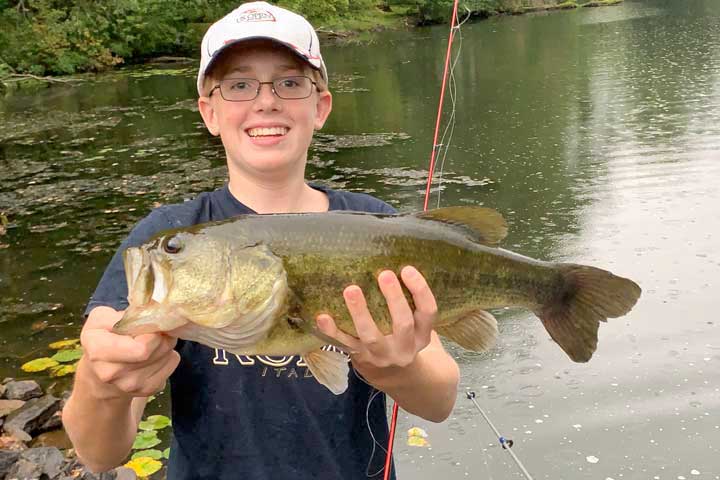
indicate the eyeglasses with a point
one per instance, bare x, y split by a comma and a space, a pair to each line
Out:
246, 89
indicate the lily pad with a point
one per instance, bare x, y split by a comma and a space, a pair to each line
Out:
144, 466
63, 370
62, 344
147, 439
166, 453
67, 356
152, 453
155, 422
39, 365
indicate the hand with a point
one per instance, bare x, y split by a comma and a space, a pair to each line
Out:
410, 330
118, 366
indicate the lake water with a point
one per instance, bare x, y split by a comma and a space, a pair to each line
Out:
596, 132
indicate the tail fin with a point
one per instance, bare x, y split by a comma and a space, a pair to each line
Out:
591, 295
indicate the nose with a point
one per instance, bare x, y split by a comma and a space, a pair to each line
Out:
266, 99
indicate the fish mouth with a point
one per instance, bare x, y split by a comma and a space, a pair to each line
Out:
147, 290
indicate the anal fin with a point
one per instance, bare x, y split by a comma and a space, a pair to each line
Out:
475, 330
330, 368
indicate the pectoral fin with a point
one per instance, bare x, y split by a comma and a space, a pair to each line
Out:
475, 330
312, 329
329, 368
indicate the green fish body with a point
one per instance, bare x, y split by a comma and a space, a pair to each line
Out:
254, 284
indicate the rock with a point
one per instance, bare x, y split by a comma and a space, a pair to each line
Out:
10, 443
24, 470
9, 406
2, 393
49, 459
31, 416
23, 390
7, 460
53, 423
16, 433
125, 473
6, 380
56, 438
111, 475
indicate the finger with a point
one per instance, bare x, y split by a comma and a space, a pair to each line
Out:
425, 305
121, 373
103, 317
164, 347
150, 379
403, 322
368, 333
326, 324
104, 346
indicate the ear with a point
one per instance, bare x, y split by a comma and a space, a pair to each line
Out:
323, 108
209, 116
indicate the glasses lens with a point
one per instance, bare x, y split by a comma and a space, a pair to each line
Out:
239, 89
293, 87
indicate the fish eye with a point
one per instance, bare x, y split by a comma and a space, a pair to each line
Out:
172, 245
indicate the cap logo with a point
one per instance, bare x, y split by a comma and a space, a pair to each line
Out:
255, 16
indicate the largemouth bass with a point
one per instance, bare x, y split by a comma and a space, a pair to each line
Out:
254, 284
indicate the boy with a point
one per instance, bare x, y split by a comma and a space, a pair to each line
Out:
262, 88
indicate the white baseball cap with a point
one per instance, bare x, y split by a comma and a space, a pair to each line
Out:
260, 20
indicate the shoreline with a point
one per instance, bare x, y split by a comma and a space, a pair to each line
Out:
338, 32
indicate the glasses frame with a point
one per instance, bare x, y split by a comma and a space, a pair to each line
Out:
260, 84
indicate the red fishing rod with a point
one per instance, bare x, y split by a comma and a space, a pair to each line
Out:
431, 168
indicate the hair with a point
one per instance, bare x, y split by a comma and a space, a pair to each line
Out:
219, 68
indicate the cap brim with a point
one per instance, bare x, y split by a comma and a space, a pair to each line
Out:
219, 53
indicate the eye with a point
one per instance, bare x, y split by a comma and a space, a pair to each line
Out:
172, 245
289, 82
239, 85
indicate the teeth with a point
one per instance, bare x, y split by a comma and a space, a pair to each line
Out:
261, 132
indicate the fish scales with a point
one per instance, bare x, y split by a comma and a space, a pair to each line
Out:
255, 284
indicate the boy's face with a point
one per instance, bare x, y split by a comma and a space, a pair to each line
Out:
267, 136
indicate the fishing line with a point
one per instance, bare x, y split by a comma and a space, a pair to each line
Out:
435, 146
452, 89
451, 36
374, 393
505, 443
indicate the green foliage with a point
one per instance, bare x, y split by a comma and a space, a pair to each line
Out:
145, 440
67, 356
63, 37
155, 422
152, 453
56, 37
319, 11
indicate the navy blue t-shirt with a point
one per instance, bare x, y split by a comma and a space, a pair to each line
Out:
256, 417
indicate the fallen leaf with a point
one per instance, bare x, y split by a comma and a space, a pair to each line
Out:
144, 466
417, 442
39, 365
64, 344
62, 370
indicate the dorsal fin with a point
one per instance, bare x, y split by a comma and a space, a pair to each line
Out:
485, 225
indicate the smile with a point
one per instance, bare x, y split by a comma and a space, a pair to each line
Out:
267, 131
